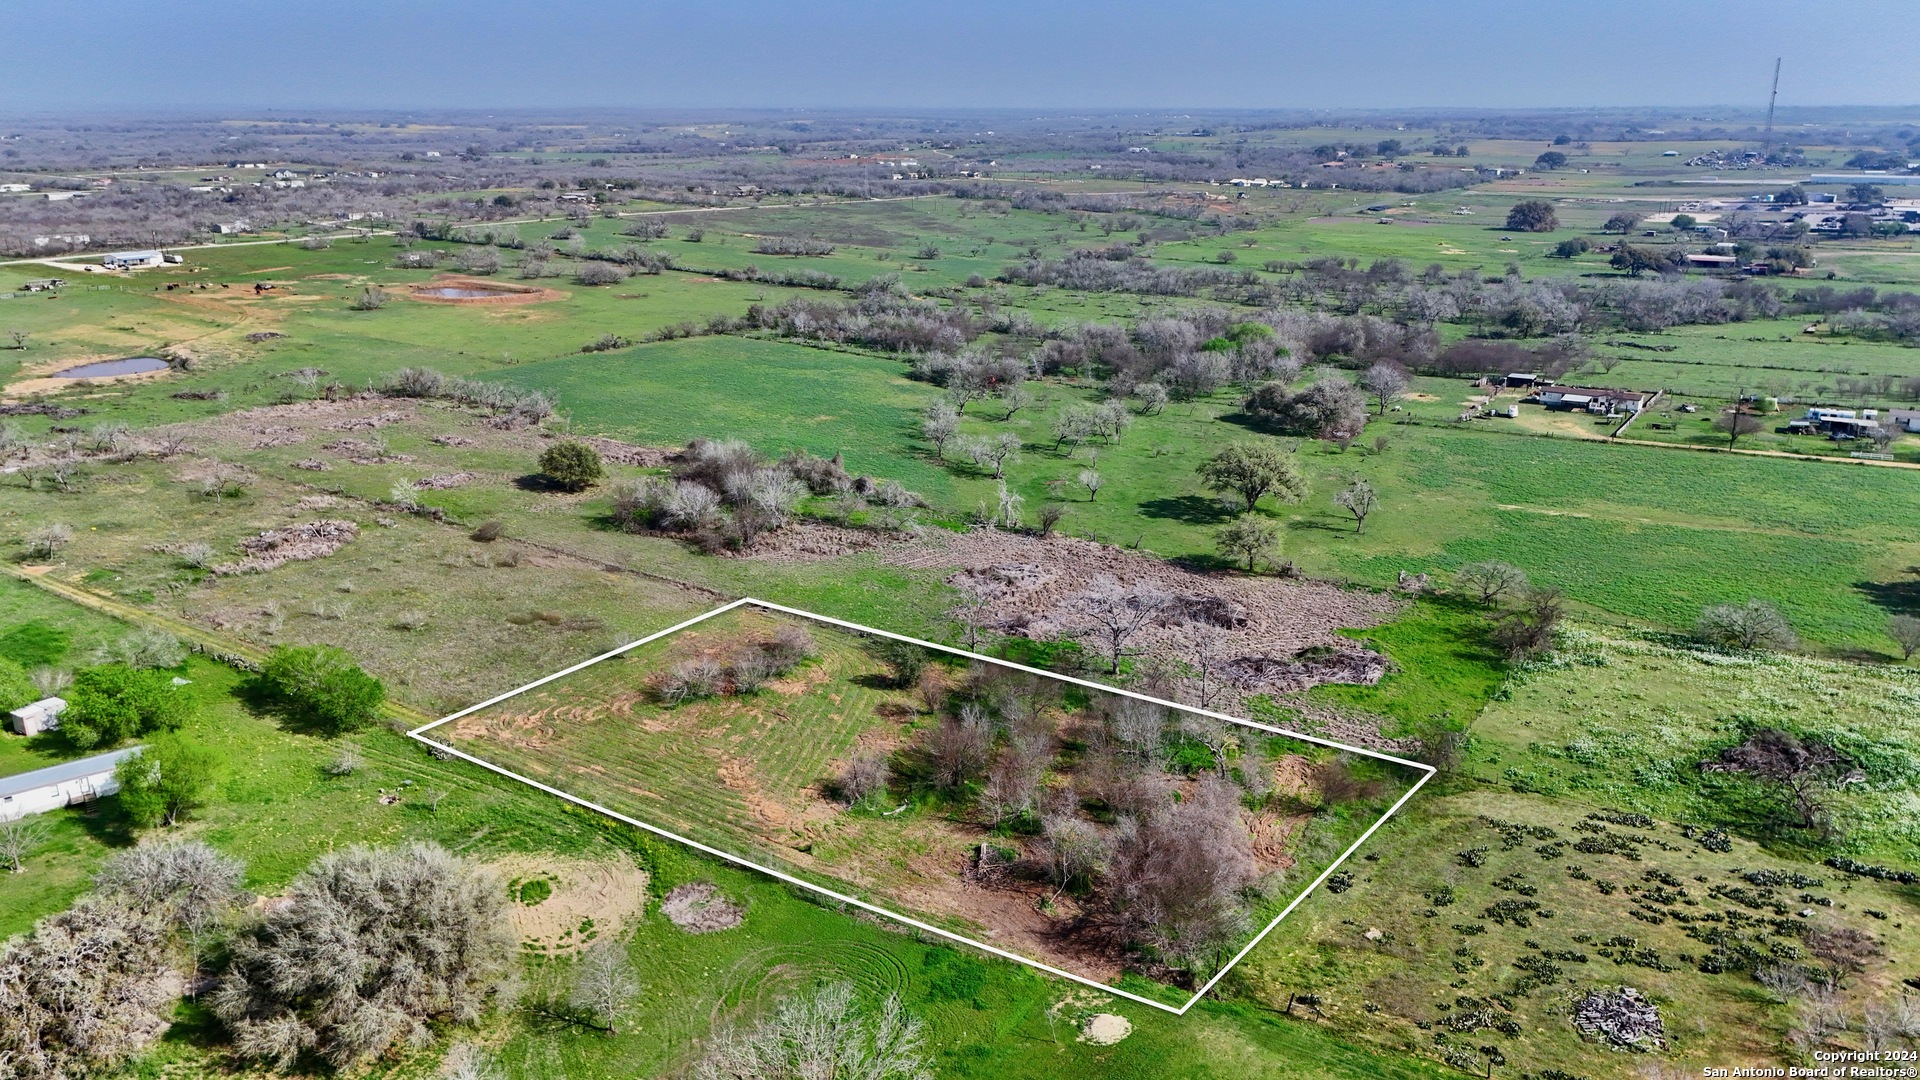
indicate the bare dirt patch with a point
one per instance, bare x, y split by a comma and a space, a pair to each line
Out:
277, 547
498, 292
1273, 634
1105, 1029
589, 900
812, 542
699, 908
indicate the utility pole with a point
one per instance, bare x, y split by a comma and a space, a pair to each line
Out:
1766, 138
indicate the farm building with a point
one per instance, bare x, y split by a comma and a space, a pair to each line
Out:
1907, 420
70, 783
1714, 262
42, 284
42, 715
131, 260
1598, 400
1844, 423
1528, 379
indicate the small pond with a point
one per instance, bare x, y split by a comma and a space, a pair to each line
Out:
132, 365
461, 292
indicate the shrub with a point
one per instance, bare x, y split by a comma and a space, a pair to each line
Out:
600, 273
322, 685
84, 992
114, 702
372, 947
371, 299
488, 532
1755, 624
574, 466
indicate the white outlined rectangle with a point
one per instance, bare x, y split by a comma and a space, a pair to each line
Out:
1426, 773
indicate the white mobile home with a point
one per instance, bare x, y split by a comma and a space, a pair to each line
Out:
71, 783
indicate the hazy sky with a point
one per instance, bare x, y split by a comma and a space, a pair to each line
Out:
954, 53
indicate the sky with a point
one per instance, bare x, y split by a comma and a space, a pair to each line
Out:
931, 54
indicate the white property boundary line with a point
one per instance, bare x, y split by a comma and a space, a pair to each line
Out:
1426, 774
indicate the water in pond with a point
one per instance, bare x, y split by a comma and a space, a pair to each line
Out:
132, 365
456, 292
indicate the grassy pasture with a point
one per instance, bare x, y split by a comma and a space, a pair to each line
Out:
1417, 944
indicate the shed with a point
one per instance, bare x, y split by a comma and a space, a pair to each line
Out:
42, 715
70, 783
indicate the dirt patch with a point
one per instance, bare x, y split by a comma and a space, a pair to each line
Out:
699, 908
619, 453
277, 547
1105, 1029
497, 292
1269, 633
811, 542
584, 900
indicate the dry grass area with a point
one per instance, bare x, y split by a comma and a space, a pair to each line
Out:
590, 899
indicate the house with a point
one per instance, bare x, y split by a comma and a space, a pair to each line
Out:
131, 260
43, 284
14, 189
230, 227
39, 716
1907, 420
1600, 401
1714, 262
70, 783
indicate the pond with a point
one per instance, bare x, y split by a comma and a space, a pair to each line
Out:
461, 292
102, 369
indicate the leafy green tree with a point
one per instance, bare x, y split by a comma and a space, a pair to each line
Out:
1637, 259
1552, 159
1621, 222
16, 689
1532, 215
1683, 222
1249, 537
114, 702
323, 685
1252, 470
1865, 194
572, 465
1568, 249
166, 781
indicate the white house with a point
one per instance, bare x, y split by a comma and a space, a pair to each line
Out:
131, 260
42, 715
70, 783
15, 189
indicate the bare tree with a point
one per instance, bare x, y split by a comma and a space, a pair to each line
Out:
1905, 632
867, 774
20, 838
823, 1034
1736, 422
940, 425
1074, 849
1387, 382
1358, 499
1490, 580
84, 992
1804, 771
1091, 480
604, 986
958, 746
19, 337
1115, 614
